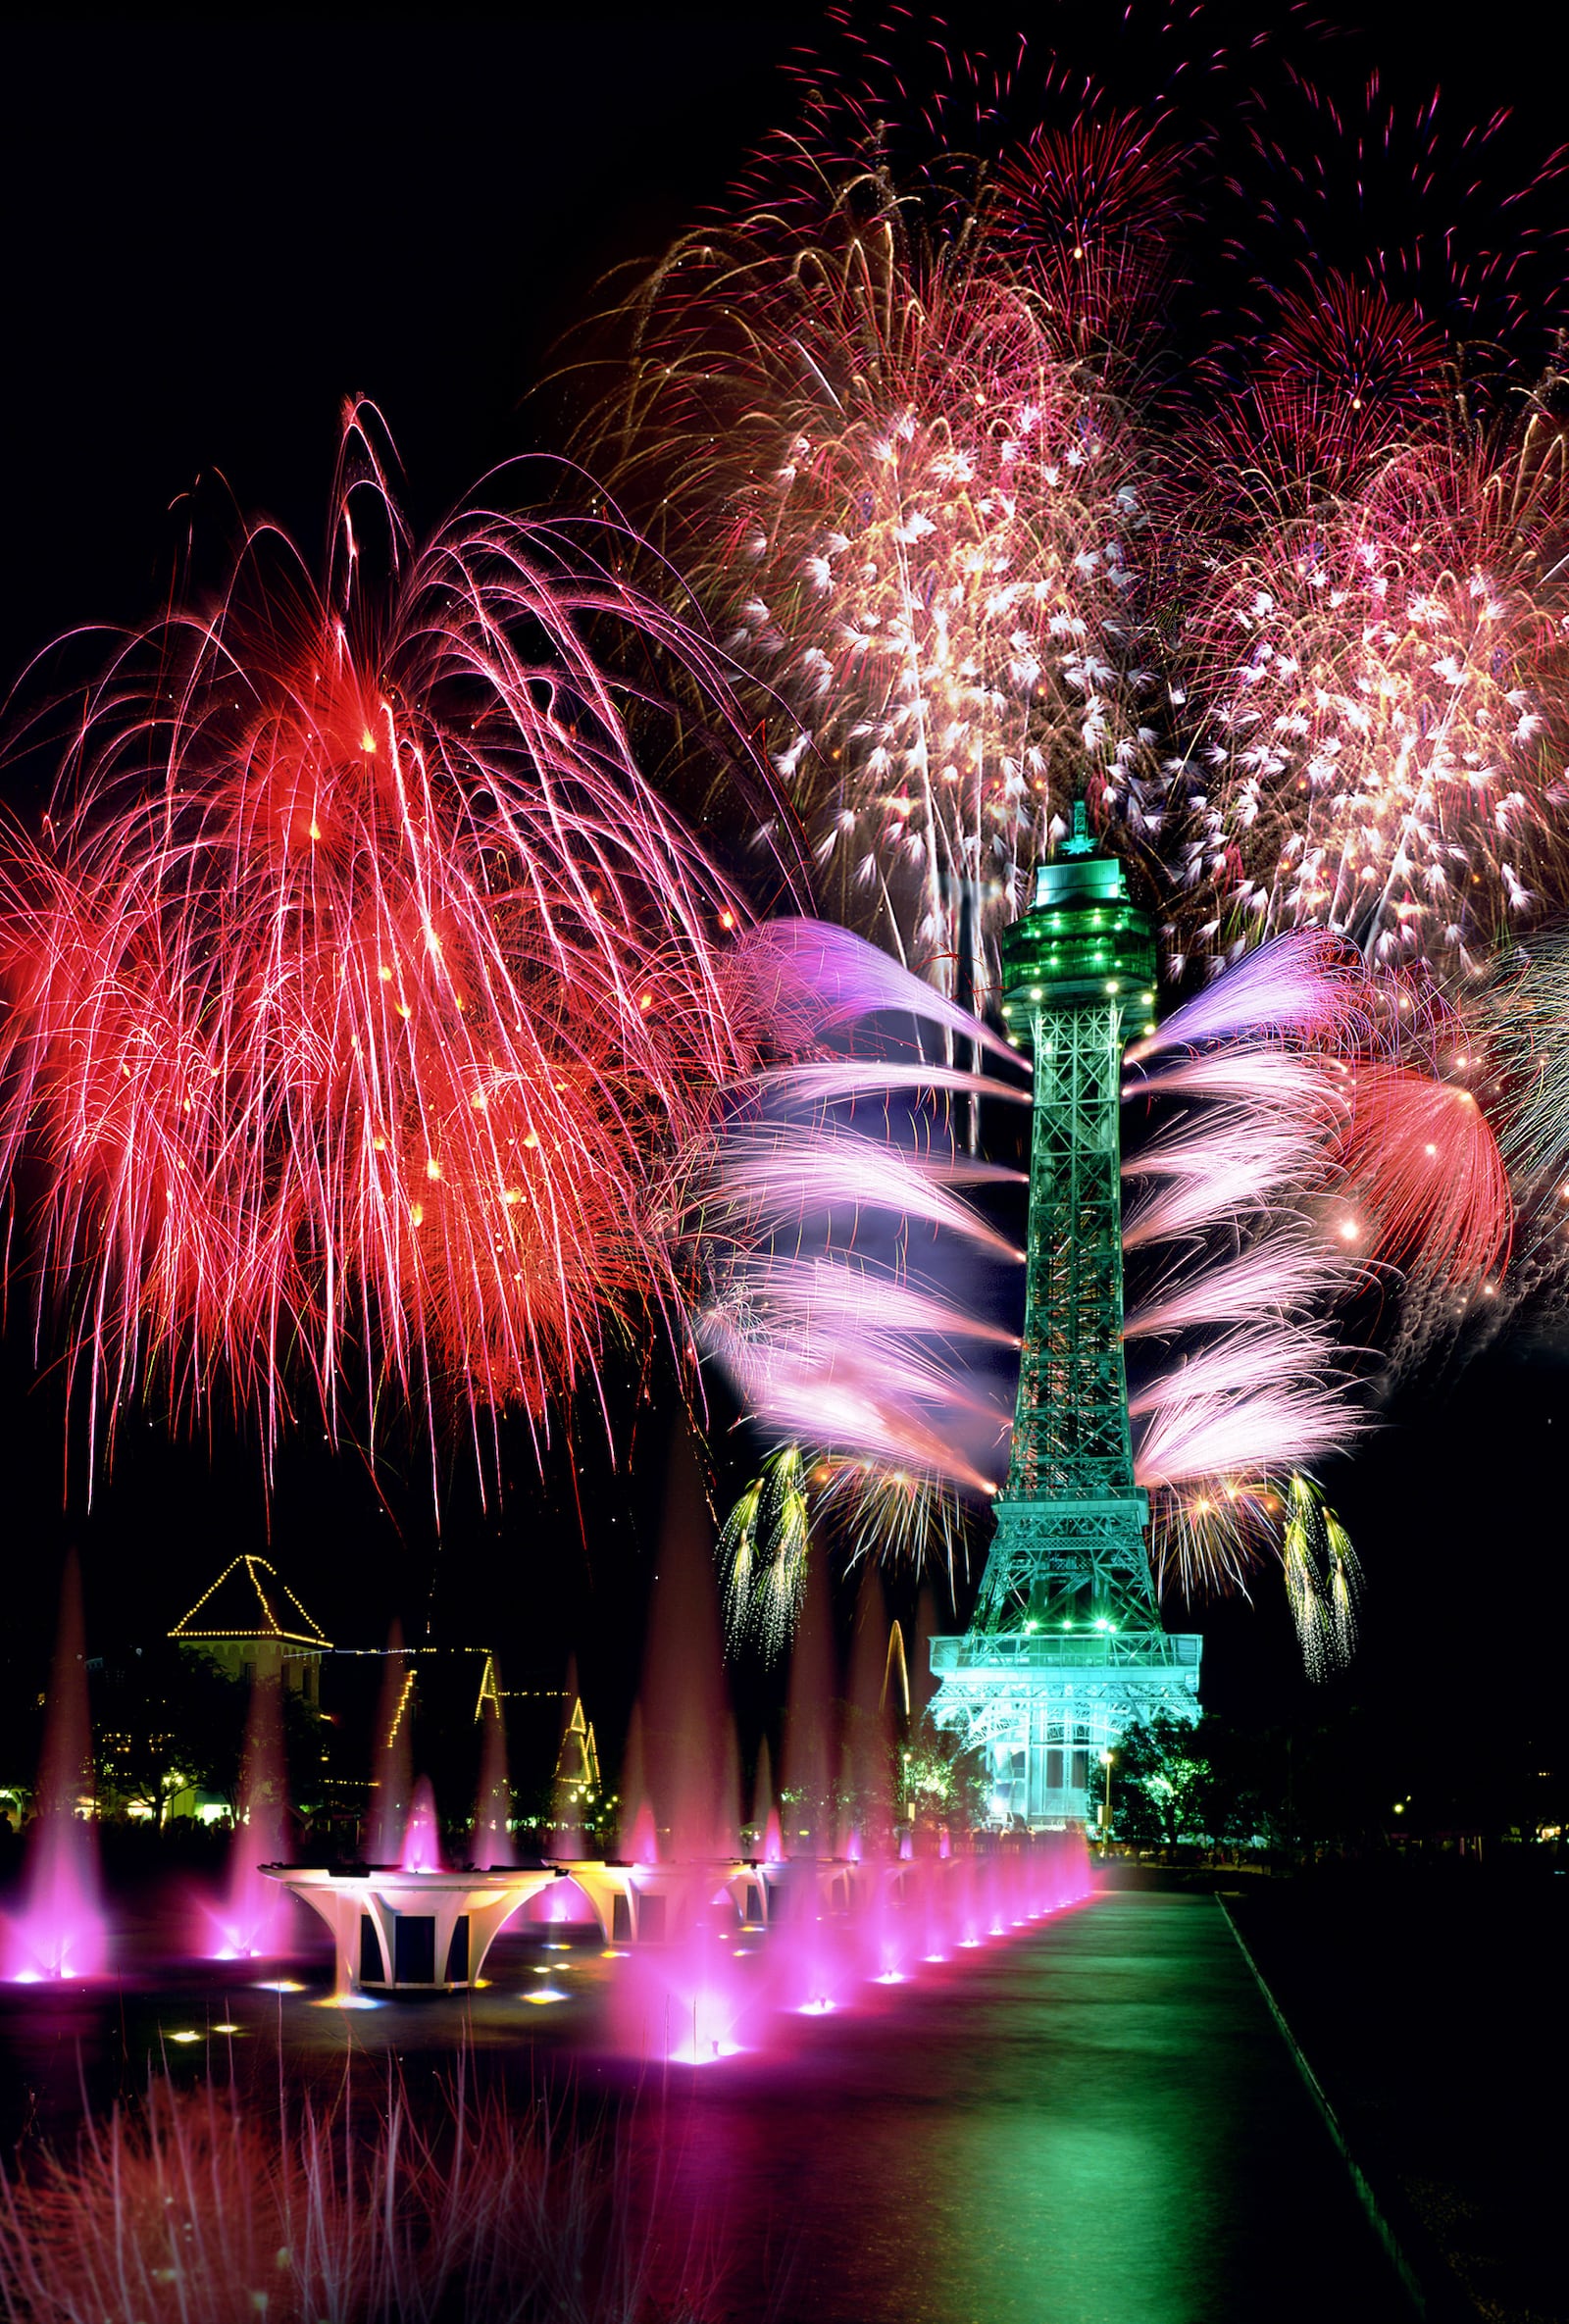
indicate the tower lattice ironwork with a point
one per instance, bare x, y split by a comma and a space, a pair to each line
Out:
1066, 1649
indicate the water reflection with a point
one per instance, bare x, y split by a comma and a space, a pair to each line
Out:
1093, 2121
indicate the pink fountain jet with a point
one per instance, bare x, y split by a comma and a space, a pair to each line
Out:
422, 1837
252, 1923
59, 1935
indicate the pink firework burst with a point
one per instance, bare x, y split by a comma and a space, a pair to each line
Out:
1094, 206
1383, 681
359, 982
907, 508
1338, 375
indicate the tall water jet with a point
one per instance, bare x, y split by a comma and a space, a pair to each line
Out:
254, 1917
807, 1756
867, 1749
493, 1811
393, 1760
766, 1838
420, 1850
60, 1931
570, 1778
686, 1713
637, 1837
728, 1787
918, 1667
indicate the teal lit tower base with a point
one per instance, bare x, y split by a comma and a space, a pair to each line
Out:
1065, 1649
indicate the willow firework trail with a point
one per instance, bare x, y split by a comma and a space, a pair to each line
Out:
1231, 1164
831, 1294
1306, 985
770, 1177
1239, 1360
1284, 1272
1287, 1170
1422, 1162
806, 977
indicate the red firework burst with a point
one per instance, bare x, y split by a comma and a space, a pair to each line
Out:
360, 982
1423, 1164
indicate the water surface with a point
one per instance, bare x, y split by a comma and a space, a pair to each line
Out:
1093, 2121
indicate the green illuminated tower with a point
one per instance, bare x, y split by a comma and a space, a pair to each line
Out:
1066, 1649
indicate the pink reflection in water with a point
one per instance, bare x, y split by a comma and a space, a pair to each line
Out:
59, 1931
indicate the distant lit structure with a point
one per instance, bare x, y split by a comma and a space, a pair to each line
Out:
1066, 1649
250, 1623
549, 1723
575, 1786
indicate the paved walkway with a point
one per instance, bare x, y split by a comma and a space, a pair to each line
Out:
1096, 2125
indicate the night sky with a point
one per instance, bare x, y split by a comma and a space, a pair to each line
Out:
212, 232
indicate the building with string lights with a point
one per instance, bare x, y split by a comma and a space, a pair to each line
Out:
251, 1624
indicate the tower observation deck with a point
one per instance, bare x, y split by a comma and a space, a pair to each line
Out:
1066, 1647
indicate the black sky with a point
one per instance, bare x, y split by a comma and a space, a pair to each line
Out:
213, 228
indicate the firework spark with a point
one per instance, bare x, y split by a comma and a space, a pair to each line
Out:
1323, 1579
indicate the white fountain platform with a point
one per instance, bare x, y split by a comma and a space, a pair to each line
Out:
429, 1932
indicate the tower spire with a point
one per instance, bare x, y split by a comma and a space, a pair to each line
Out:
1066, 1647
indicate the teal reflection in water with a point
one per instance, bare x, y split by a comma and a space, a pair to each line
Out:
1098, 2124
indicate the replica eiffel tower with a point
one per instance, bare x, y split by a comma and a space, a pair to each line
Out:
1066, 1649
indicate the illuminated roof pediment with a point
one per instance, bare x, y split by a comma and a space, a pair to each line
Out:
249, 1602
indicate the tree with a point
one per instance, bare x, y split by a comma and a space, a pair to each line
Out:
939, 1778
1160, 1777
166, 1720
163, 1721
